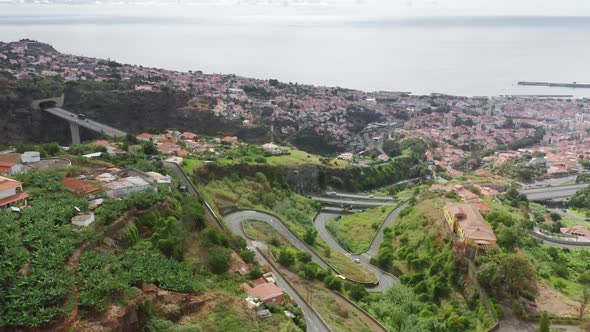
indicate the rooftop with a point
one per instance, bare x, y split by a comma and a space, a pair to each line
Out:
472, 223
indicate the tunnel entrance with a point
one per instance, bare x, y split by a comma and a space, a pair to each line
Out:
48, 104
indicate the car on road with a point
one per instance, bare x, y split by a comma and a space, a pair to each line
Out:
356, 260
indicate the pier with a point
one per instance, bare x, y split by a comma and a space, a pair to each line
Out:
557, 85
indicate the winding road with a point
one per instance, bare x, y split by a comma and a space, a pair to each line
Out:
234, 221
386, 280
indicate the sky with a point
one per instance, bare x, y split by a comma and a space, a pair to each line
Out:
386, 7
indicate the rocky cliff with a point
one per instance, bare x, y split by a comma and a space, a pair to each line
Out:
132, 111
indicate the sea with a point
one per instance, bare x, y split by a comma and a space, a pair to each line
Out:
349, 47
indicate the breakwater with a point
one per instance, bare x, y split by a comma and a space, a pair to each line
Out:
559, 85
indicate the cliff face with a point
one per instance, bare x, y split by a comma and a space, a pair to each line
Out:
20, 124
132, 111
137, 111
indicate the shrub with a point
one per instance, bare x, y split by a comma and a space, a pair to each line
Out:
333, 283
219, 259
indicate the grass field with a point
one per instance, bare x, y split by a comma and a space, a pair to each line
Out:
354, 232
291, 159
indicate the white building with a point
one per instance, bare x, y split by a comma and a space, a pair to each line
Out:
159, 178
272, 149
84, 219
127, 186
11, 193
30, 157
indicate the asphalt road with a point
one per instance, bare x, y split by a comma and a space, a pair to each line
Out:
362, 197
548, 193
234, 222
352, 202
569, 214
386, 280
86, 123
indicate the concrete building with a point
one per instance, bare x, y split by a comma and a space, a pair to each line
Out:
126, 186
11, 193
159, 178
466, 221
272, 149
30, 157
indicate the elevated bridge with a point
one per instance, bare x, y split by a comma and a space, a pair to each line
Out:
54, 106
561, 193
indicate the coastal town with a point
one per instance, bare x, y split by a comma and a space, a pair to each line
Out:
460, 126
426, 199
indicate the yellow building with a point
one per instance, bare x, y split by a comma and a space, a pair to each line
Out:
466, 221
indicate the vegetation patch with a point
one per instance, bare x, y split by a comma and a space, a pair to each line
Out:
295, 210
433, 276
356, 231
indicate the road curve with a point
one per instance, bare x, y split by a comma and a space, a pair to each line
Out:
234, 223
386, 280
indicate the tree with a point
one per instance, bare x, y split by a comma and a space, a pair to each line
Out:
356, 291
149, 148
508, 237
489, 275
333, 283
219, 259
309, 236
518, 274
544, 323
584, 279
498, 217
303, 257
286, 257
255, 272
248, 255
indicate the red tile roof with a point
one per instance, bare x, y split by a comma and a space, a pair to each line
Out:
5, 166
266, 291
6, 183
13, 198
79, 186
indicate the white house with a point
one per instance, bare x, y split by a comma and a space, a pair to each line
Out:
30, 157
272, 149
11, 193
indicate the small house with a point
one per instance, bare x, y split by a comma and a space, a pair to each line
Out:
30, 157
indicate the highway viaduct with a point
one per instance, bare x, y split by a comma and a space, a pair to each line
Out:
54, 106
545, 194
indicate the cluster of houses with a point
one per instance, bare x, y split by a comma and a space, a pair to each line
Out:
185, 143
114, 183
11, 191
259, 291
